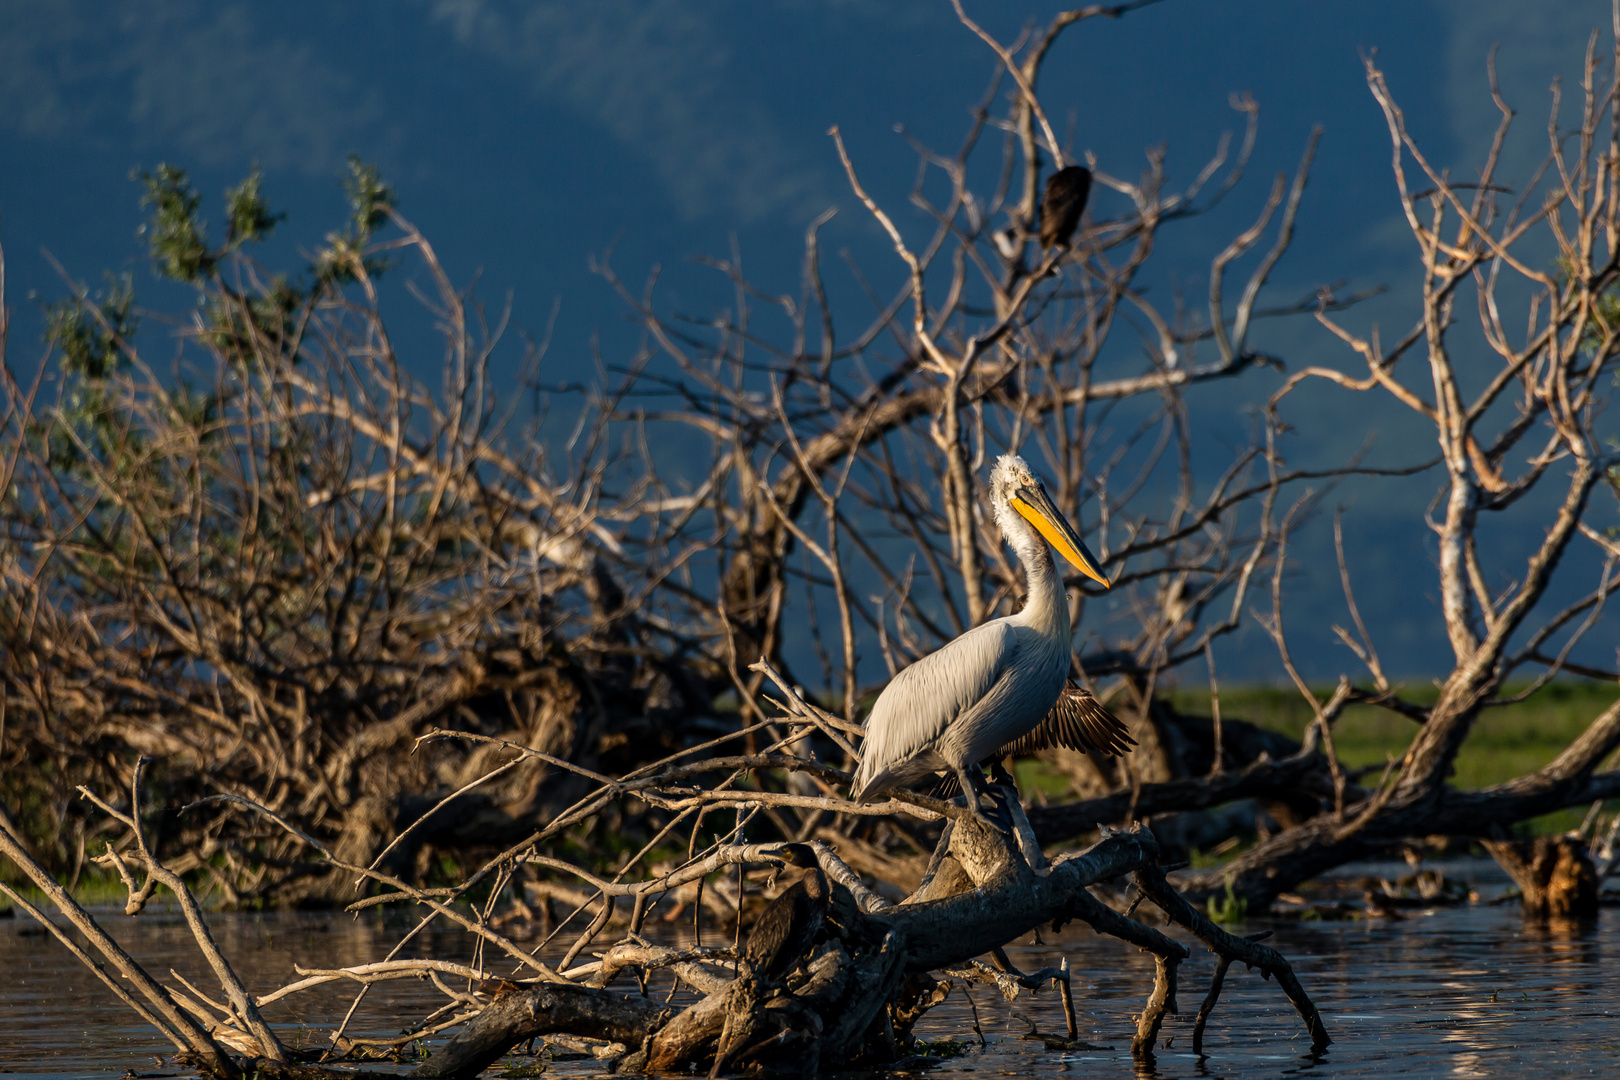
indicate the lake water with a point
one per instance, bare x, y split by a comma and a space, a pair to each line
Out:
1469, 991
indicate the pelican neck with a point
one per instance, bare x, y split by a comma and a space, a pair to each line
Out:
1047, 607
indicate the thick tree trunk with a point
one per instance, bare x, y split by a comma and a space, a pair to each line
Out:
1555, 876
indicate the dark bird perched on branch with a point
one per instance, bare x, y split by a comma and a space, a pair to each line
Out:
1062, 205
786, 928
996, 684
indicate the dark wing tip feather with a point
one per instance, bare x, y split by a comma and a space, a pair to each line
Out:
1077, 722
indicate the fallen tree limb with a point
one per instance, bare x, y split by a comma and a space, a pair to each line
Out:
1228, 947
1056, 823
547, 1008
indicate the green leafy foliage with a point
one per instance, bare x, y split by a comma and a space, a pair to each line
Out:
90, 334
344, 258
250, 217
174, 232
87, 330
174, 229
369, 198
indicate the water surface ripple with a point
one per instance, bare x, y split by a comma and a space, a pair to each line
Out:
1460, 992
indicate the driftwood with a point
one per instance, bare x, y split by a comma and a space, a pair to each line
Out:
1555, 875
543, 1010
853, 999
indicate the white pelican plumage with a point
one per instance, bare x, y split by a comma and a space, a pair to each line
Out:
993, 690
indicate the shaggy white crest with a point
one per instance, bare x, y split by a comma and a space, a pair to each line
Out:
1011, 473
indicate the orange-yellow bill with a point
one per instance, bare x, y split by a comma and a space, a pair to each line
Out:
1036, 507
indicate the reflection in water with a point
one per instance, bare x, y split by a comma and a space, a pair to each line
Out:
1467, 992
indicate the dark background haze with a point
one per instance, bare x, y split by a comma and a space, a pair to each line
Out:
526, 138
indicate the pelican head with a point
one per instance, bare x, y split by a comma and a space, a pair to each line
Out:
1016, 492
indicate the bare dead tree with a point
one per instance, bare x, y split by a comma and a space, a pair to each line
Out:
275, 566
350, 620
1520, 427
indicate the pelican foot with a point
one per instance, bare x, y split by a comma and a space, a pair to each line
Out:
975, 794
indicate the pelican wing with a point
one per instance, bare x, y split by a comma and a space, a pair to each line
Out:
919, 704
1078, 722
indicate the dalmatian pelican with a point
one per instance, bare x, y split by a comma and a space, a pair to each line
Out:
1001, 687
